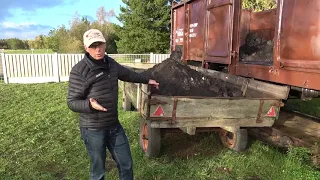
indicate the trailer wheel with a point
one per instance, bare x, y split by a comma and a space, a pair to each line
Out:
126, 103
150, 139
235, 141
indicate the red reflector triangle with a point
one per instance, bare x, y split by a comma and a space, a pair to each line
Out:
159, 111
271, 112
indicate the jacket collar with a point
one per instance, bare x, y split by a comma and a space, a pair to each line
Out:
91, 64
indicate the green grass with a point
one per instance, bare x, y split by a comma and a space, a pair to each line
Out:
311, 107
27, 51
40, 139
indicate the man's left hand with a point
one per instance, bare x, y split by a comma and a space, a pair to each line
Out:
154, 83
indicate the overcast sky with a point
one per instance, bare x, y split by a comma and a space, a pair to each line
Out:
25, 19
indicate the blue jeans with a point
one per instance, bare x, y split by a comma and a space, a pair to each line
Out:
115, 139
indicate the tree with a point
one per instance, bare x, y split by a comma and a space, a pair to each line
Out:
78, 27
146, 26
25, 44
259, 5
15, 43
107, 28
46, 42
4, 44
39, 42
53, 41
57, 38
65, 40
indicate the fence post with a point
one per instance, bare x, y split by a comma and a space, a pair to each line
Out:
151, 58
4, 67
55, 66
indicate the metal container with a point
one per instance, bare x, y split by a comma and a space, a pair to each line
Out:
212, 31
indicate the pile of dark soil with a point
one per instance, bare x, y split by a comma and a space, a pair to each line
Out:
256, 49
177, 79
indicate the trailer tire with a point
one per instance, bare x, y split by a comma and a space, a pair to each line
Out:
126, 103
236, 141
149, 139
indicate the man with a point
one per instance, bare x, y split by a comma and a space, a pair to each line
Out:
93, 92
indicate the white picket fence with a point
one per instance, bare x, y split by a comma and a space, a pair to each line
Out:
41, 68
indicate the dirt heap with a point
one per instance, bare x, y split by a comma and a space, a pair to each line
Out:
256, 49
177, 79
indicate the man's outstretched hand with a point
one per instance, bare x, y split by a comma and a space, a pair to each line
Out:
96, 105
154, 83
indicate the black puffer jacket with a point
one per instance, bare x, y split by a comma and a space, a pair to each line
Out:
89, 80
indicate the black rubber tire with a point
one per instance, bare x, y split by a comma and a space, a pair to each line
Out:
235, 141
149, 139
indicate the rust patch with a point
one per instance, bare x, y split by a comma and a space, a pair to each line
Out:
259, 119
278, 104
156, 101
174, 111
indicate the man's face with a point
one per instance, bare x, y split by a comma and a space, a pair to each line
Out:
96, 50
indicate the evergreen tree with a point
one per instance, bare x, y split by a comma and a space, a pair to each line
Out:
145, 26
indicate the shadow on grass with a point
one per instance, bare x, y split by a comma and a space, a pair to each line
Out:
185, 146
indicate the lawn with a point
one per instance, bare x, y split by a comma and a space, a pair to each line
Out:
40, 140
310, 107
27, 51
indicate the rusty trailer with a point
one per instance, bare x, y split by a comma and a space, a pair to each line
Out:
259, 107
213, 34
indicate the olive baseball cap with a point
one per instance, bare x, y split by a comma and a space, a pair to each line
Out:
92, 36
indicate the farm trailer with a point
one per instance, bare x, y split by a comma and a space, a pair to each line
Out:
259, 107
